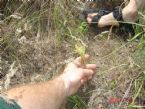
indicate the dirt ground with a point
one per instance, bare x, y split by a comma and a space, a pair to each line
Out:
114, 58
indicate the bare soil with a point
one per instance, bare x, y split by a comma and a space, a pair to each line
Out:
114, 58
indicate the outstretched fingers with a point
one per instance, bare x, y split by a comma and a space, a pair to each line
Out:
91, 66
87, 75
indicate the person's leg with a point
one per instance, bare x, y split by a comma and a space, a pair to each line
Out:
129, 14
140, 4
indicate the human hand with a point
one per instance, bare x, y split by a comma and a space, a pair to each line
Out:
76, 74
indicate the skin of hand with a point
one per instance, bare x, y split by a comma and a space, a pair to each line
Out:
51, 94
76, 74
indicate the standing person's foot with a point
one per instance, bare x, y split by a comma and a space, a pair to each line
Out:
100, 18
105, 18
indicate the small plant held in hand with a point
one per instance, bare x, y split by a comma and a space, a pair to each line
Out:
81, 50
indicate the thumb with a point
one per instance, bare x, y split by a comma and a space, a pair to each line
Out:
78, 61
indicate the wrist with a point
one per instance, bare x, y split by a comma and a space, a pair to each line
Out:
66, 84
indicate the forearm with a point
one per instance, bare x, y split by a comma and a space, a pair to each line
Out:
48, 95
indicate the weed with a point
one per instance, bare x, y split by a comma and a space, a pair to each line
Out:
138, 98
76, 102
